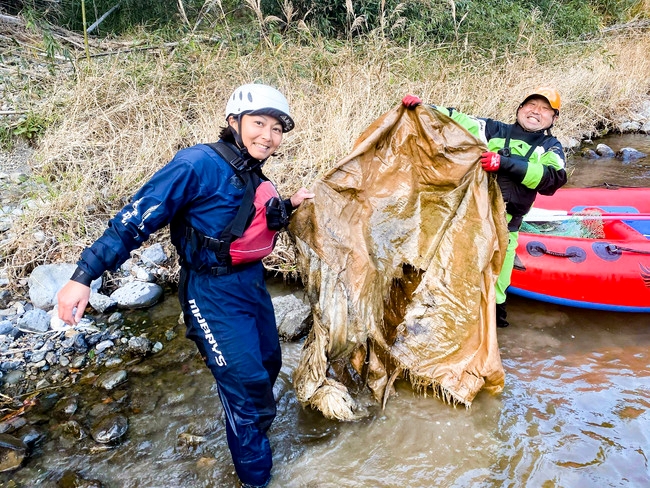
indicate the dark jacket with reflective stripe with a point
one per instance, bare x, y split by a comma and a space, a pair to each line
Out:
519, 178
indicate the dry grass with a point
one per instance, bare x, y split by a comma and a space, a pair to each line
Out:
124, 116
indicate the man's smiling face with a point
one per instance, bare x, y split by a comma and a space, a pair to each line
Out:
536, 114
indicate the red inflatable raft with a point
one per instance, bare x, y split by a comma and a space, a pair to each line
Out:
609, 270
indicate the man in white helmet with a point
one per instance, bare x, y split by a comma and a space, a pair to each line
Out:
526, 160
224, 215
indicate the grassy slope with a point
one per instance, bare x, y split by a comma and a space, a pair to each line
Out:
123, 116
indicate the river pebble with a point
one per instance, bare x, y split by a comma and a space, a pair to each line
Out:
111, 379
109, 428
12, 452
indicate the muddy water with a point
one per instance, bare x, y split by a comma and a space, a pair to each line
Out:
575, 411
594, 172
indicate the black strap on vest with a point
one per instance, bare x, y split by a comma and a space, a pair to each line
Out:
235, 229
233, 158
506, 151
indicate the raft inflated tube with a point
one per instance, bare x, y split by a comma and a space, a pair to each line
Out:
545, 215
576, 303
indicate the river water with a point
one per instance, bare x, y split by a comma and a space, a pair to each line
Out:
575, 411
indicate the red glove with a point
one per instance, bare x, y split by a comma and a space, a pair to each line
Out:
490, 161
411, 101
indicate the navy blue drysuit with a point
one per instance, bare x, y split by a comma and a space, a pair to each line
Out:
230, 317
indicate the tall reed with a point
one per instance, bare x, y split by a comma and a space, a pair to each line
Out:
122, 117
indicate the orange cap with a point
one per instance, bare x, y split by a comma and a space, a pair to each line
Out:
551, 94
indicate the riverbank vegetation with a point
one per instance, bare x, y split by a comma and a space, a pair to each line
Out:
106, 110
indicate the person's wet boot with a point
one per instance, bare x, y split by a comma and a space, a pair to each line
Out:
501, 315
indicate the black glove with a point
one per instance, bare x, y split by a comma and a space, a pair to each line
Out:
276, 214
513, 166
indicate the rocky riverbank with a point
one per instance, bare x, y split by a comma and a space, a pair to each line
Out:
39, 351
70, 384
43, 361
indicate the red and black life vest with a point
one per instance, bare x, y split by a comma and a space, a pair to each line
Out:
249, 237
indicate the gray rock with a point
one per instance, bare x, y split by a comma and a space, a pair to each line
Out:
66, 407
40, 365
14, 377
572, 143
589, 154
141, 274
644, 110
20, 308
5, 298
80, 345
153, 255
46, 281
12, 425
629, 154
34, 321
109, 428
115, 317
293, 317
12, 452
37, 356
6, 327
78, 362
94, 338
32, 435
605, 151
111, 379
113, 361
137, 294
102, 346
102, 303
630, 126
140, 345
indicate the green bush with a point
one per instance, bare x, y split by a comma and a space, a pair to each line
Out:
501, 25
129, 14
28, 127
498, 24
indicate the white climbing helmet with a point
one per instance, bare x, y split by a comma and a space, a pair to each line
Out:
254, 98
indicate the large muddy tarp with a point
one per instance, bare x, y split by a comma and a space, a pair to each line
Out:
399, 251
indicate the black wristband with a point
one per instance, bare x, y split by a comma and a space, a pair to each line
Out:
80, 276
288, 206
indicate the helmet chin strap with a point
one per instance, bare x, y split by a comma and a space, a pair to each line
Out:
250, 160
238, 139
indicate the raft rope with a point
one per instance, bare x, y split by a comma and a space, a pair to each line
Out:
613, 186
614, 249
610, 248
558, 254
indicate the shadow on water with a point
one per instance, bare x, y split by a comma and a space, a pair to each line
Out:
575, 411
